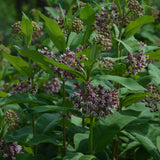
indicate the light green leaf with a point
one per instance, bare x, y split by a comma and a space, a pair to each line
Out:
54, 32
3, 94
135, 25
19, 64
126, 82
158, 143
27, 29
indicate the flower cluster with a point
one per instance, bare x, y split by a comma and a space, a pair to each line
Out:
52, 86
81, 48
136, 62
153, 97
106, 63
45, 51
11, 119
10, 149
77, 25
95, 100
135, 8
24, 87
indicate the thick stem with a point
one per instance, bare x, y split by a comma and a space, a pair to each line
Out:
91, 135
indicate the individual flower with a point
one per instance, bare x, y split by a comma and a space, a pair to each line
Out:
52, 86
153, 97
136, 62
95, 100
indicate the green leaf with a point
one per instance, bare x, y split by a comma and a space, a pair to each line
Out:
87, 14
44, 62
126, 82
158, 143
3, 94
54, 13
27, 29
73, 156
147, 144
54, 32
19, 64
49, 108
155, 73
106, 129
133, 99
135, 25
117, 2
88, 157
155, 55
23, 98
24, 156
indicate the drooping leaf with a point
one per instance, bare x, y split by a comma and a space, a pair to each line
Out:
135, 25
27, 29
45, 62
54, 32
19, 64
105, 129
126, 82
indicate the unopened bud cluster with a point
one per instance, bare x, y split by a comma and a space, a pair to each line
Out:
153, 97
105, 63
77, 25
11, 119
95, 100
52, 86
136, 62
9, 150
24, 87
135, 8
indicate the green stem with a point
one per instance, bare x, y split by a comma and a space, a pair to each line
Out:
64, 122
34, 132
91, 135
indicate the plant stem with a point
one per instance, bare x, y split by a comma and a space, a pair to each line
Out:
34, 132
64, 122
91, 135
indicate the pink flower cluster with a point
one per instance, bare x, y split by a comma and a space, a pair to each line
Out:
10, 150
52, 86
95, 100
24, 87
136, 62
153, 97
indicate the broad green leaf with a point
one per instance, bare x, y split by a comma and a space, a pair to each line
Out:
49, 108
155, 55
87, 14
24, 156
19, 64
46, 122
149, 48
155, 73
147, 144
88, 157
27, 29
87, 34
126, 82
73, 156
106, 129
133, 99
3, 94
23, 98
79, 140
45, 62
54, 13
135, 25
74, 40
54, 32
